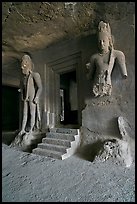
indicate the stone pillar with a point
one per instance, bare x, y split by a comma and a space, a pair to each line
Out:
57, 98
50, 98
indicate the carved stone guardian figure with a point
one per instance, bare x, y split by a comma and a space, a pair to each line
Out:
30, 88
102, 63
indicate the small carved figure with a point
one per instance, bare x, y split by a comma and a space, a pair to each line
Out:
103, 62
30, 88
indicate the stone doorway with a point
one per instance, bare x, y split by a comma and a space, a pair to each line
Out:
68, 99
62, 76
10, 108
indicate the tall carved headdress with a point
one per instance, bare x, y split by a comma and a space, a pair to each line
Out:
104, 28
27, 57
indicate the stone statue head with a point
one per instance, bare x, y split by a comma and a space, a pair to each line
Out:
104, 36
26, 64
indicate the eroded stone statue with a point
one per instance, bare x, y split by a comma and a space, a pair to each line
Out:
103, 62
31, 88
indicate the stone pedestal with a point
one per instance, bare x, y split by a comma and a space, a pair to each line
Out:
28, 141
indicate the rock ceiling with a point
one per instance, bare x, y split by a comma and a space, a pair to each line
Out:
30, 26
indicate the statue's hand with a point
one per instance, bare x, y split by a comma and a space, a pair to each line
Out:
125, 76
88, 66
36, 99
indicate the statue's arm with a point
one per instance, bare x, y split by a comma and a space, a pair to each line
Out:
21, 88
90, 67
120, 58
38, 83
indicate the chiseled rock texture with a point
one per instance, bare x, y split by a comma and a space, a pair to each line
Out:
62, 29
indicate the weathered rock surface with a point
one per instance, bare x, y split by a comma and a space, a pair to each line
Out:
35, 25
27, 141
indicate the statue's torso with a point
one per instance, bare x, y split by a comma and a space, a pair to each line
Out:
29, 88
103, 68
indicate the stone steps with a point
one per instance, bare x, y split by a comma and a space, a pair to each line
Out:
59, 143
47, 153
66, 143
60, 136
65, 130
53, 147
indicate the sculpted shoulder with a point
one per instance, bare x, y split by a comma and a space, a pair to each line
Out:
118, 53
94, 56
35, 74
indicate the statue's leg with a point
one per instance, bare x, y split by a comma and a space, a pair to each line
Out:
32, 114
25, 116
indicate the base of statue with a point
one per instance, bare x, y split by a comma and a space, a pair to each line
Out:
28, 141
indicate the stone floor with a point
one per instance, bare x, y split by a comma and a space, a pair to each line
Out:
27, 177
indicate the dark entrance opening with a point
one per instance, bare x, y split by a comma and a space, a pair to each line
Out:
68, 98
10, 108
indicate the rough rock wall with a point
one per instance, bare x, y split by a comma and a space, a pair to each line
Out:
99, 116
